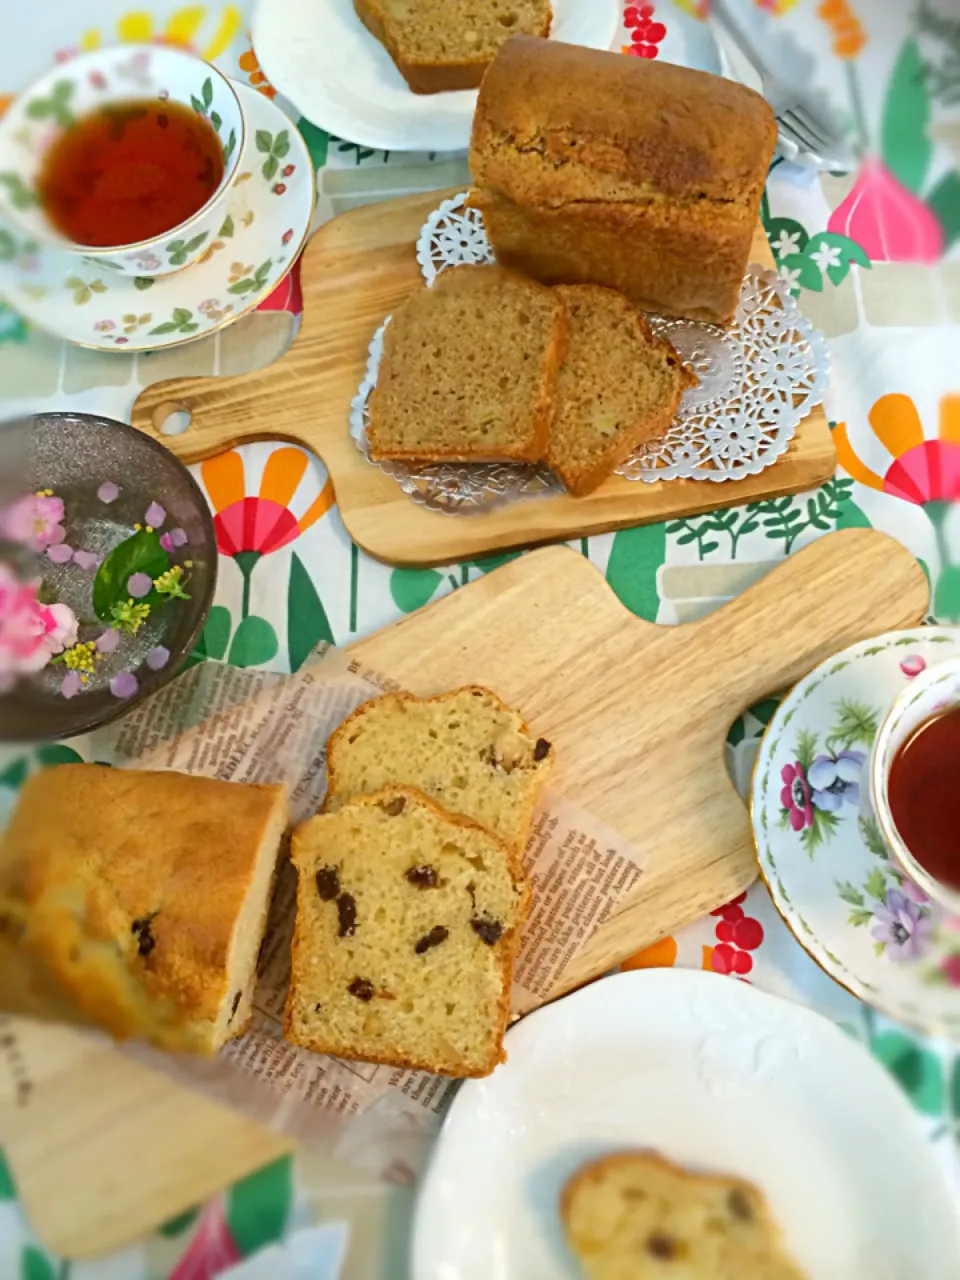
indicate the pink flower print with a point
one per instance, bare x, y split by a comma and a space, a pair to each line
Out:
34, 520
212, 1249
209, 306
950, 968
912, 666
902, 926
104, 326
30, 633
795, 796
889, 222
147, 262
98, 79
913, 891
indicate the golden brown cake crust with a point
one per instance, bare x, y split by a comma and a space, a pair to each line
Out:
426, 76
119, 891
643, 176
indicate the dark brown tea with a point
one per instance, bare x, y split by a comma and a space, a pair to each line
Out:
923, 791
130, 171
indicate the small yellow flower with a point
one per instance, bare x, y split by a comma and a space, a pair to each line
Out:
82, 657
129, 616
170, 584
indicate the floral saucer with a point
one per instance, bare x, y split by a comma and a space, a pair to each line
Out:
268, 216
819, 846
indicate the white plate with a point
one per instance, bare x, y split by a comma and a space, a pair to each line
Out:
824, 859
320, 55
717, 1076
268, 216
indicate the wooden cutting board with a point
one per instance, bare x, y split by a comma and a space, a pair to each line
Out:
356, 270
105, 1150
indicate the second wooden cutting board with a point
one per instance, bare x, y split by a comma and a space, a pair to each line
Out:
105, 1150
356, 270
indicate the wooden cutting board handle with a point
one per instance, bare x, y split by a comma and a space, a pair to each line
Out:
832, 593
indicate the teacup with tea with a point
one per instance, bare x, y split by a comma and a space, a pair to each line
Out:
124, 156
915, 782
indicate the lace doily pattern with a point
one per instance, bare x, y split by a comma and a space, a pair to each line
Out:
759, 379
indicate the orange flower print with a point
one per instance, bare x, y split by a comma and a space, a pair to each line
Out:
248, 528
923, 472
662, 955
251, 64
849, 36
203, 29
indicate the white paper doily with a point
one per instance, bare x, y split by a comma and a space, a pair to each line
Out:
759, 379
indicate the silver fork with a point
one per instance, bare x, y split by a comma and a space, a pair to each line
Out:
807, 134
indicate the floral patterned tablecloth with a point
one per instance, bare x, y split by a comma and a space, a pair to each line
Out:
874, 260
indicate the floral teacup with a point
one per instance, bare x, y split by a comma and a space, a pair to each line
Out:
69, 91
936, 690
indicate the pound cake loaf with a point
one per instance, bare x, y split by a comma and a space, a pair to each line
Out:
465, 749
468, 370
636, 1216
618, 387
408, 921
136, 902
448, 44
592, 168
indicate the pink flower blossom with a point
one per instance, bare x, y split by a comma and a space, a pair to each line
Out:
913, 665
950, 968
212, 1249
795, 796
104, 326
34, 520
31, 633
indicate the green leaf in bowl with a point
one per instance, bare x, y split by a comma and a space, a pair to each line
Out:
140, 553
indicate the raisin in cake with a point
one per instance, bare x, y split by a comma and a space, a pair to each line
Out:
136, 902
636, 1216
408, 921
466, 749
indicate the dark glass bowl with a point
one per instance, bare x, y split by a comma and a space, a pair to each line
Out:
73, 454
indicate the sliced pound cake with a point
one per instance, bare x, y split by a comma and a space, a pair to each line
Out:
468, 370
441, 44
466, 749
636, 1216
618, 387
408, 921
137, 901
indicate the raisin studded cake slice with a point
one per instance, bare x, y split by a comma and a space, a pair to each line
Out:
466, 749
637, 1216
408, 921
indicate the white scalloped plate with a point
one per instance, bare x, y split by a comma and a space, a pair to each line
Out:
319, 55
714, 1074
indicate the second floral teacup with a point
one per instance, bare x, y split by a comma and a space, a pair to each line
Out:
922, 792
111, 81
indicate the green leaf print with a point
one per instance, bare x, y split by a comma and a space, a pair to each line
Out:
21, 197
56, 107
258, 1206
207, 92
806, 748
944, 202
254, 642
54, 754
413, 588
317, 140
8, 1188
781, 519
905, 144
14, 776
850, 893
803, 272
264, 141
824, 825
257, 281
307, 622
876, 885
176, 1226
859, 917
216, 634
35, 1265
143, 282
917, 1070
786, 236
635, 558
489, 563
856, 723
872, 838
181, 321
227, 230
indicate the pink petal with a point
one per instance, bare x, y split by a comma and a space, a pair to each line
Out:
166, 541
139, 585
158, 658
154, 515
60, 553
108, 640
71, 684
796, 819
87, 560
179, 537
108, 491
124, 685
